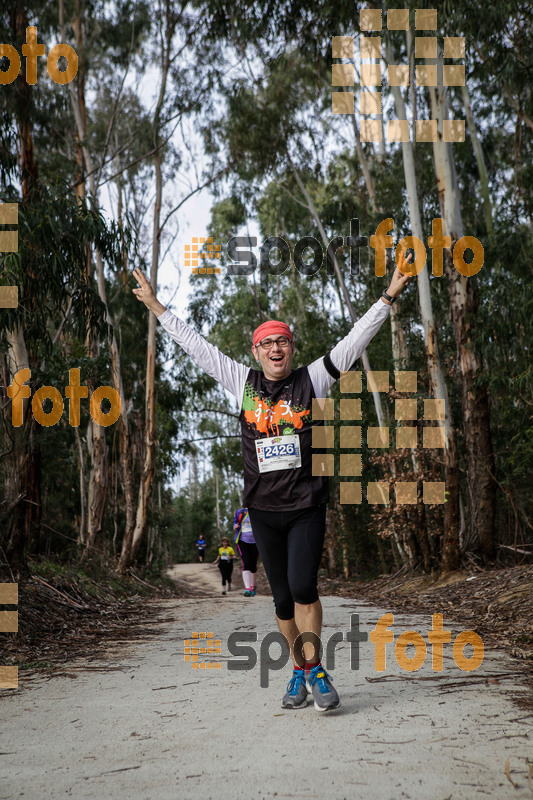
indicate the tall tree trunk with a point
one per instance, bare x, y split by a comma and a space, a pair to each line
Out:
148, 467
96, 442
19, 502
478, 152
415, 516
450, 545
22, 492
130, 548
97, 492
97, 447
463, 306
353, 316
82, 533
217, 502
80, 92
397, 335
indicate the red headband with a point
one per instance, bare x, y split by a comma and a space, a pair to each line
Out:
269, 328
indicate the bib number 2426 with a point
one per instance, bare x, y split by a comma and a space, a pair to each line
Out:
278, 452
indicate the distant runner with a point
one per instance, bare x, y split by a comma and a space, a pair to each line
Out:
245, 543
225, 563
285, 501
201, 544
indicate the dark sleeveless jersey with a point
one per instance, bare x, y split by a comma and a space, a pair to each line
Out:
278, 408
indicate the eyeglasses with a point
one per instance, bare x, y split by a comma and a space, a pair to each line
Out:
267, 344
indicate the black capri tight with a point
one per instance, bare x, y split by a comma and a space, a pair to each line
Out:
226, 568
248, 552
290, 544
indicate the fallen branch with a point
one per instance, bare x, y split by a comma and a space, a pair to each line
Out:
516, 549
67, 598
139, 580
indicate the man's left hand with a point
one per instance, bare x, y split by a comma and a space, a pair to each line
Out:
399, 280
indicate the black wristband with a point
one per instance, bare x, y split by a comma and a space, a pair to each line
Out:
387, 296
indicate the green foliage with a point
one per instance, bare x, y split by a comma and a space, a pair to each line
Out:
50, 268
194, 513
263, 110
269, 130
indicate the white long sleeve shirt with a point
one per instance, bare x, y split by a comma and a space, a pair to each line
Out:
274, 409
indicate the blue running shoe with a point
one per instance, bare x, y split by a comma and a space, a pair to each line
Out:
296, 694
252, 591
247, 593
324, 695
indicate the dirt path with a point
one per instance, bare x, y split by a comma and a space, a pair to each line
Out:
142, 724
204, 579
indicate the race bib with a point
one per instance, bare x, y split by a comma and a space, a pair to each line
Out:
278, 452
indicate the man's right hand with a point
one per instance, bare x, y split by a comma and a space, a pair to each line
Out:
146, 294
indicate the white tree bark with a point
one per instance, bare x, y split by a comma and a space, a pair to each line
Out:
353, 316
476, 415
96, 435
478, 152
436, 376
340, 278
148, 467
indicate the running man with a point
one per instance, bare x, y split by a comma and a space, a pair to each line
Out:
285, 501
245, 543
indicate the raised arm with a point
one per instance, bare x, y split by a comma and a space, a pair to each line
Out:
398, 281
229, 373
146, 294
349, 349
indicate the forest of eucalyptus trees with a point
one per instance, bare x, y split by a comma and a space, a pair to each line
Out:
174, 101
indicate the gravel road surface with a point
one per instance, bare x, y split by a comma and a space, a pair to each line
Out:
141, 724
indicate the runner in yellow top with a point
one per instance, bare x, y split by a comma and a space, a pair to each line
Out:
225, 563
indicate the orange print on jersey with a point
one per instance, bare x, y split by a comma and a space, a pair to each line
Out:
266, 417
